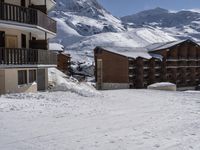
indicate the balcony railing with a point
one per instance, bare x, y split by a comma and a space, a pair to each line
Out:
10, 12
18, 56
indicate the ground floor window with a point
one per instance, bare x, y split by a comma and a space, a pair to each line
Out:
22, 77
32, 76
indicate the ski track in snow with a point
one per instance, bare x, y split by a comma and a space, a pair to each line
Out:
118, 120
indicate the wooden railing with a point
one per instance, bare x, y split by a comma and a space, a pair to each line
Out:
18, 56
10, 12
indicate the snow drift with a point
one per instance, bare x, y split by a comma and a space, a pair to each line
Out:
60, 82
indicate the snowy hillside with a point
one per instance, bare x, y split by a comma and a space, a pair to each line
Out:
86, 17
140, 37
182, 24
85, 24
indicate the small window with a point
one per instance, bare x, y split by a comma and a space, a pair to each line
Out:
22, 77
32, 76
33, 38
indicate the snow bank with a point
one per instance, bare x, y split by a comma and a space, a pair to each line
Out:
60, 82
163, 86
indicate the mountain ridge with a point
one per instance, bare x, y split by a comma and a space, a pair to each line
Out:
85, 24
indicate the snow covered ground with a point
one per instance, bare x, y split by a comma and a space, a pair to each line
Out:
112, 120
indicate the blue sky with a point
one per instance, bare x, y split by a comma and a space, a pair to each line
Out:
127, 7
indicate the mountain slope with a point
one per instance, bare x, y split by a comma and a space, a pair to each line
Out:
87, 17
181, 24
85, 24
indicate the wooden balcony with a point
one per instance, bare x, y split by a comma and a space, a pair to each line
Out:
18, 56
10, 12
42, 8
38, 44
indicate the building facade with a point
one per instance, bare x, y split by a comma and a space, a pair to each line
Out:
63, 63
176, 62
24, 57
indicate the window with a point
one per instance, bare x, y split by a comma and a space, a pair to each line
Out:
23, 3
2, 39
32, 76
22, 77
33, 38
23, 38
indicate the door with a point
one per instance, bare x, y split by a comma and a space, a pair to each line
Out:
11, 41
2, 39
99, 74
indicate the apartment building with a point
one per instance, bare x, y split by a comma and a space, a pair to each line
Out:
24, 57
177, 62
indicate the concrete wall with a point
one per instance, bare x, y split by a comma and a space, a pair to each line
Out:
113, 86
29, 2
15, 2
18, 2
18, 34
9, 81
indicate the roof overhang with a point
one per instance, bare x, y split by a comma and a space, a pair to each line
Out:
28, 28
50, 3
27, 66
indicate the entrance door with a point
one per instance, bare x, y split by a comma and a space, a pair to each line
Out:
2, 39
99, 74
11, 41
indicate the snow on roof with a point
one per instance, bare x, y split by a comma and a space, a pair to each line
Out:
159, 46
56, 47
143, 52
132, 52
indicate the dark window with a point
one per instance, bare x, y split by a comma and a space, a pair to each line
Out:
2, 39
23, 3
33, 38
22, 77
23, 41
32, 76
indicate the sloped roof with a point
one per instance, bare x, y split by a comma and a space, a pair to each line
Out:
160, 46
132, 52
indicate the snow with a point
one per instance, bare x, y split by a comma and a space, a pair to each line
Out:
84, 24
163, 86
61, 82
117, 120
160, 46
132, 39
129, 51
56, 46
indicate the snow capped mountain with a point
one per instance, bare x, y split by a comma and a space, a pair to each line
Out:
181, 24
85, 24
87, 17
